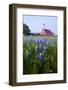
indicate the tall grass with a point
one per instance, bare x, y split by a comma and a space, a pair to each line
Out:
41, 57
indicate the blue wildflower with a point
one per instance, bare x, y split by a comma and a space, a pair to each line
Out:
40, 57
36, 49
36, 41
42, 41
46, 41
44, 48
39, 40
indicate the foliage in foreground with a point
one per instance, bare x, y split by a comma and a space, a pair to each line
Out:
39, 57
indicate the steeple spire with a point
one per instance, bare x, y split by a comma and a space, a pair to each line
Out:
43, 26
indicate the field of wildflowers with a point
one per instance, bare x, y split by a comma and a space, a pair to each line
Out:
39, 55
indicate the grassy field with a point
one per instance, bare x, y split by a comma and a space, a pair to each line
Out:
39, 54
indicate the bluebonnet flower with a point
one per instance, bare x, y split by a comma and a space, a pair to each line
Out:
36, 41
36, 49
44, 48
41, 41
27, 54
40, 57
46, 41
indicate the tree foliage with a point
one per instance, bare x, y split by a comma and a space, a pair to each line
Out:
26, 29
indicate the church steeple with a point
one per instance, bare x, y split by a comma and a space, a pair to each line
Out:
43, 26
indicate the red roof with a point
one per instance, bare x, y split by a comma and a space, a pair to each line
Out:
48, 32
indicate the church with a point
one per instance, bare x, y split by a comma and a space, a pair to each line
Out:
46, 32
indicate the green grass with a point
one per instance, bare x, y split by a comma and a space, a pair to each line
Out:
31, 64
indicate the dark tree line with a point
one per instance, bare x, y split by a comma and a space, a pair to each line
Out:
26, 29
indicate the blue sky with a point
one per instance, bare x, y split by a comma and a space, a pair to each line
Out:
35, 23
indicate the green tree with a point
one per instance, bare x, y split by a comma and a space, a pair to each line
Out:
26, 29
